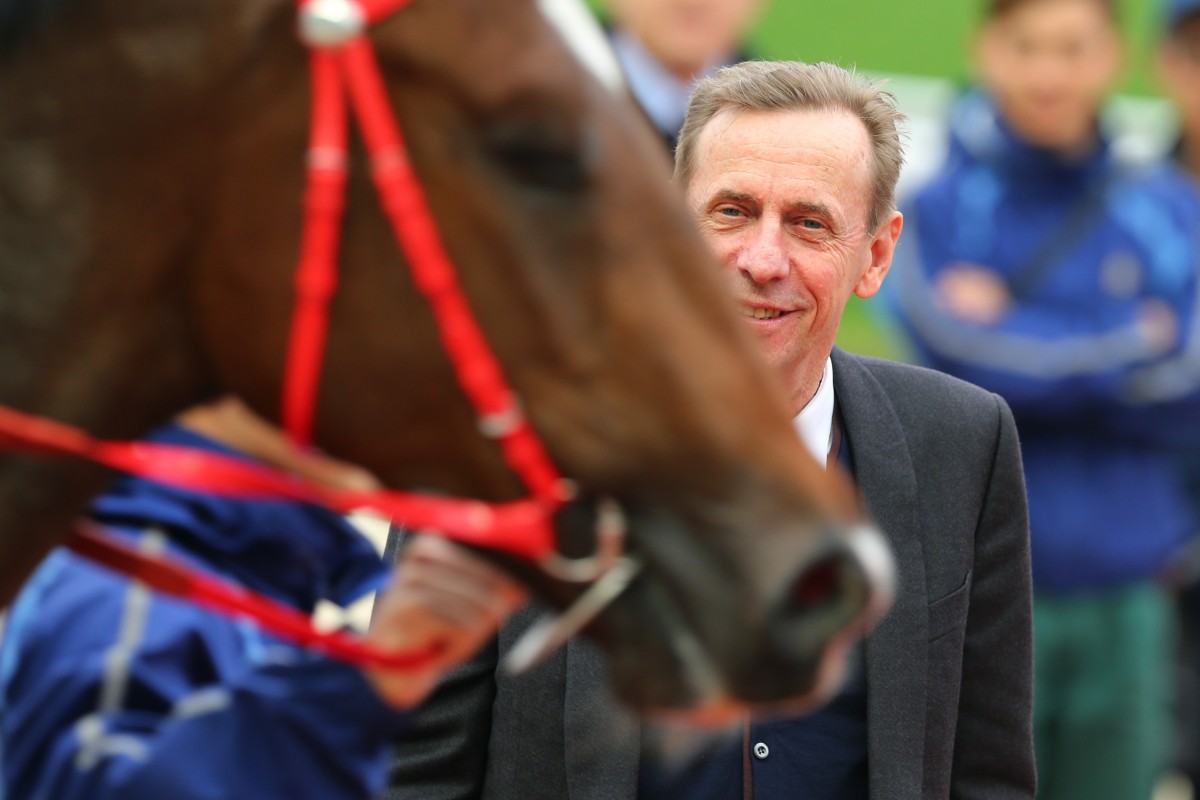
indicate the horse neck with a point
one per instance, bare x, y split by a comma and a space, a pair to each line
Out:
104, 196
94, 227
93, 284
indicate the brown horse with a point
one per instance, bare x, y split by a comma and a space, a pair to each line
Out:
150, 173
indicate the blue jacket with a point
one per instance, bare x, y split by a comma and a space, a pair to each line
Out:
109, 692
1098, 405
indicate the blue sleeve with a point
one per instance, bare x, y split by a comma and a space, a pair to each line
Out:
1163, 405
1049, 364
111, 692
1162, 398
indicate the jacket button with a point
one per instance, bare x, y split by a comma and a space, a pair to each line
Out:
761, 751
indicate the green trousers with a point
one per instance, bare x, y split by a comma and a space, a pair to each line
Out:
1101, 706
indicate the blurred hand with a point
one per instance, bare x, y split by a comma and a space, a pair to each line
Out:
441, 595
232, 423
972, 293
1158, 325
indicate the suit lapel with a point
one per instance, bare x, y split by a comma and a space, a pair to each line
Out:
601, 740
896, 651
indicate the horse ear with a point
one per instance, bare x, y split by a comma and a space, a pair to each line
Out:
585, 38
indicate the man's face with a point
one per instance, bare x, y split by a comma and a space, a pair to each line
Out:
783, 197
1049, 64
685, 35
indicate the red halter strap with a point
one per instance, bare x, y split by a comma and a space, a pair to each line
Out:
521, 527
345, 78
351, 70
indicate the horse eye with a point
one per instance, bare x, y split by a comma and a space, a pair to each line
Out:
542, 166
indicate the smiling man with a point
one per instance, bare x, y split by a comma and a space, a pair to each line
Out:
794, 220
790, 170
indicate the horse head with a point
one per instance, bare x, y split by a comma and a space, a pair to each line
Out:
160, 210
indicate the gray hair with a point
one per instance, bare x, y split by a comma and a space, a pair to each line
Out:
793, 85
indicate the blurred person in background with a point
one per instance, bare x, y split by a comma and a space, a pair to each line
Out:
1178, 62
1039, 267
666, 46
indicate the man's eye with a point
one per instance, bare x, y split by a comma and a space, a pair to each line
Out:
727, 211
812, 224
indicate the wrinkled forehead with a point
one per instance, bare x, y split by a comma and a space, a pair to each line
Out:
785, 160
833, 143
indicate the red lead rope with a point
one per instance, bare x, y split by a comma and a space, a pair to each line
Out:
226, 598
345, 77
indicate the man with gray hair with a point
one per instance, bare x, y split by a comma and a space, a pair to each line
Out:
790, 171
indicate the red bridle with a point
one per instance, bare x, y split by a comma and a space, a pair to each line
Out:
345, 79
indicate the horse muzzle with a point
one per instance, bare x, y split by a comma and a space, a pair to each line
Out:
673, 655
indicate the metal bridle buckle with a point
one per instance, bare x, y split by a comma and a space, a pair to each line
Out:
551, 632
330, 23
611, 527
607, 570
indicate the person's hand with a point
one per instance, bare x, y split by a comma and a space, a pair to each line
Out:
972, 293
1158, 325
232, 423
442, 596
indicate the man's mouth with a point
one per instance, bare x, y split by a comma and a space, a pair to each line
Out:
755, 312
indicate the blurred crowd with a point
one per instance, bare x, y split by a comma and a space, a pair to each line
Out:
1041, 263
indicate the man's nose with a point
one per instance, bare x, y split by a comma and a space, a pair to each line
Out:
763, 254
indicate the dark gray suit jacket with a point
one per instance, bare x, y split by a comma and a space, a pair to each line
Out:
949, 670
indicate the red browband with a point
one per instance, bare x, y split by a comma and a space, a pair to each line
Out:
345, 79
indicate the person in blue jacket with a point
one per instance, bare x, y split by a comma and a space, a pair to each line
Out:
1039, 265
109, 691
665, 47
1178, 61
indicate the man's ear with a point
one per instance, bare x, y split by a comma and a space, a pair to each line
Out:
883, 247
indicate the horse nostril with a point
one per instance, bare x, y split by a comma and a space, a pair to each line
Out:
822, 606
819, 585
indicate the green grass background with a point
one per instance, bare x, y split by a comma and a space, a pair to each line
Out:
917, 37
912, 37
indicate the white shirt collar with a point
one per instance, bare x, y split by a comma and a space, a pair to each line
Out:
814, 423
663, 96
